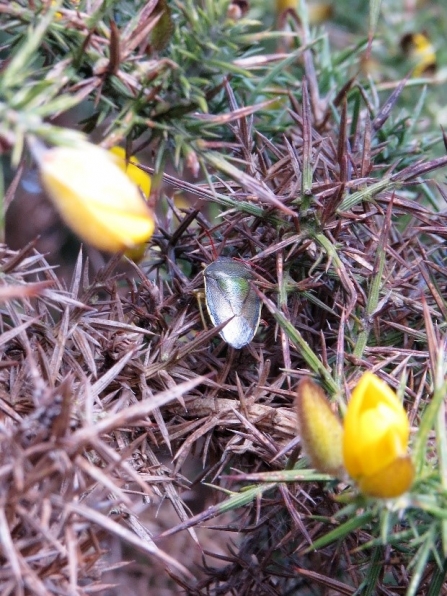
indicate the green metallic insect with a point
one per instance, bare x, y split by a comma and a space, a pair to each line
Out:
230, 297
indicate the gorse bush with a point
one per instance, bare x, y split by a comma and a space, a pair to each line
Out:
302, 143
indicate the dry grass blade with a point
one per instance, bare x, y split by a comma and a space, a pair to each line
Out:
386, 109
236, 114
128, 415
28, 291
147, 546
328, 582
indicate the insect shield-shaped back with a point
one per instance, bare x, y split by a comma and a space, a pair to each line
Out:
230, 297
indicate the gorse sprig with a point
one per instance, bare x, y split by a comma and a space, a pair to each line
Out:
371, 448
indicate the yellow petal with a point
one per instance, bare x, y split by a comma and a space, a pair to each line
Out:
381, 442
141, 179
320, 429
391, 481
95, 197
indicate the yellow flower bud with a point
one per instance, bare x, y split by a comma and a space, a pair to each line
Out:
94, 196
376, 432
320, 429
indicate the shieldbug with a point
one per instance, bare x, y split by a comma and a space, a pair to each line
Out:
230, 297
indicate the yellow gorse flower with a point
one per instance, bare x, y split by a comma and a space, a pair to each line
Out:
421, 51
95, 196
375, 440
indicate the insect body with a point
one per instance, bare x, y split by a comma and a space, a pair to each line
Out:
230, 297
